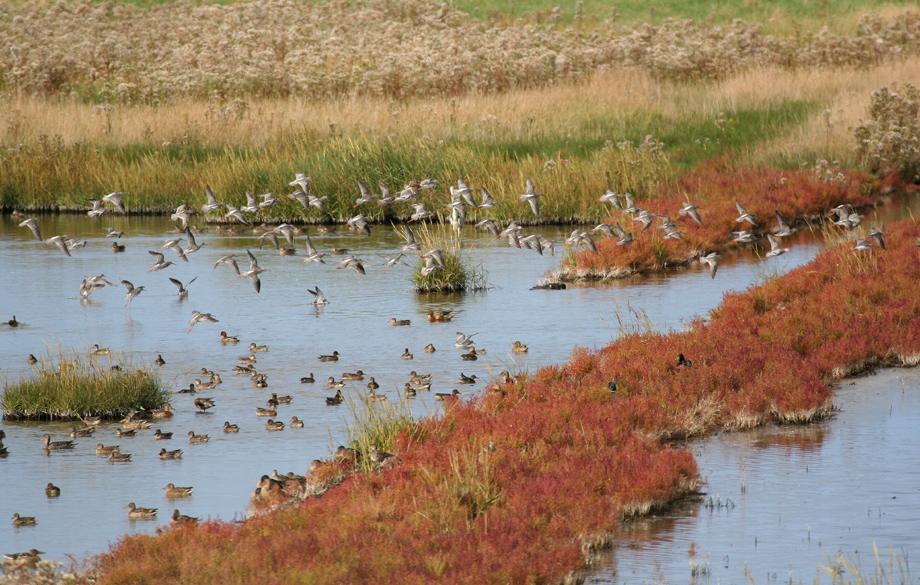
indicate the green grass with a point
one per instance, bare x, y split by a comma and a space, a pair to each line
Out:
777, 14
70, 384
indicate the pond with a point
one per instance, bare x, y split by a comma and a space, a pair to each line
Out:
40, 286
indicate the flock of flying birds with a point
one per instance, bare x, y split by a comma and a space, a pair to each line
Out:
461, 200
844, 216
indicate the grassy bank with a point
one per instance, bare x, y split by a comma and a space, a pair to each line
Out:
575, 141
73, 385
517, 483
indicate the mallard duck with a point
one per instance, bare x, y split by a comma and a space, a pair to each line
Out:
247, 360
204, 403
199, 385
135, 425
286, 251
215, 379
206, 373
439, 316
406, 355
177, 519
374, 397
124, 433
243, 369
92, 421
281, 399
173, 491
119, 457
32, 360
116, 247
56, 445
329, 358
683, 362
443, 395
274, 425
193, 438
224, 338
164, 454
189, 390
376, 455
429, 348
52, 491
338, 251
296, 423
422, 385
82, 432
308, 379
135, 513
100, 350
372, 385
254, 348
161, 436
23, 520
331, 383
409, 391
518, 347
266, 411
416, 377
165, 412
466, 379
337, 399
470, 355
103, 450
359, 375
229, 428
399, 323
23, 560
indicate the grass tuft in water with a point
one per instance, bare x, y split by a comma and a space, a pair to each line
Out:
458, 274
68, 384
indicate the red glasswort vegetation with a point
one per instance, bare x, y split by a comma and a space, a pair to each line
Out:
511, 486
797, 195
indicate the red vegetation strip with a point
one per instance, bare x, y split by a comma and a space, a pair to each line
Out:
508, 487
715, 187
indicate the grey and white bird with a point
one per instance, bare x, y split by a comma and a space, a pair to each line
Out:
193, 245
646, 218
253, 273
319, 298
60, 242
489, 224
743, 215
159, 263
99, 209
181, 215
713, 260
878, 236
212, 203
785, 229
625, 237
252, 205
430, 267
464, 341
229, 261
359, 222
353, 262
411, 243
487, 200
531, 197
233, 212
312, 254
775, 248
385, 196
183, 289
692, 211
862, 244
365, 194
428, 183
113, 234
116, 200
744, 237
32, 224
132, 291
391, 262
198, 317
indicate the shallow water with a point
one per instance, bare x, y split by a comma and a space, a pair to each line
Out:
40, 286
782, 502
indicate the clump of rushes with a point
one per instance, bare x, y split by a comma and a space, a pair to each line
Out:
377, 423
516, 484
71, 385
799, 196
458, 273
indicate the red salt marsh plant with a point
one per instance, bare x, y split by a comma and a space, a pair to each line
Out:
517, 483
799, 196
